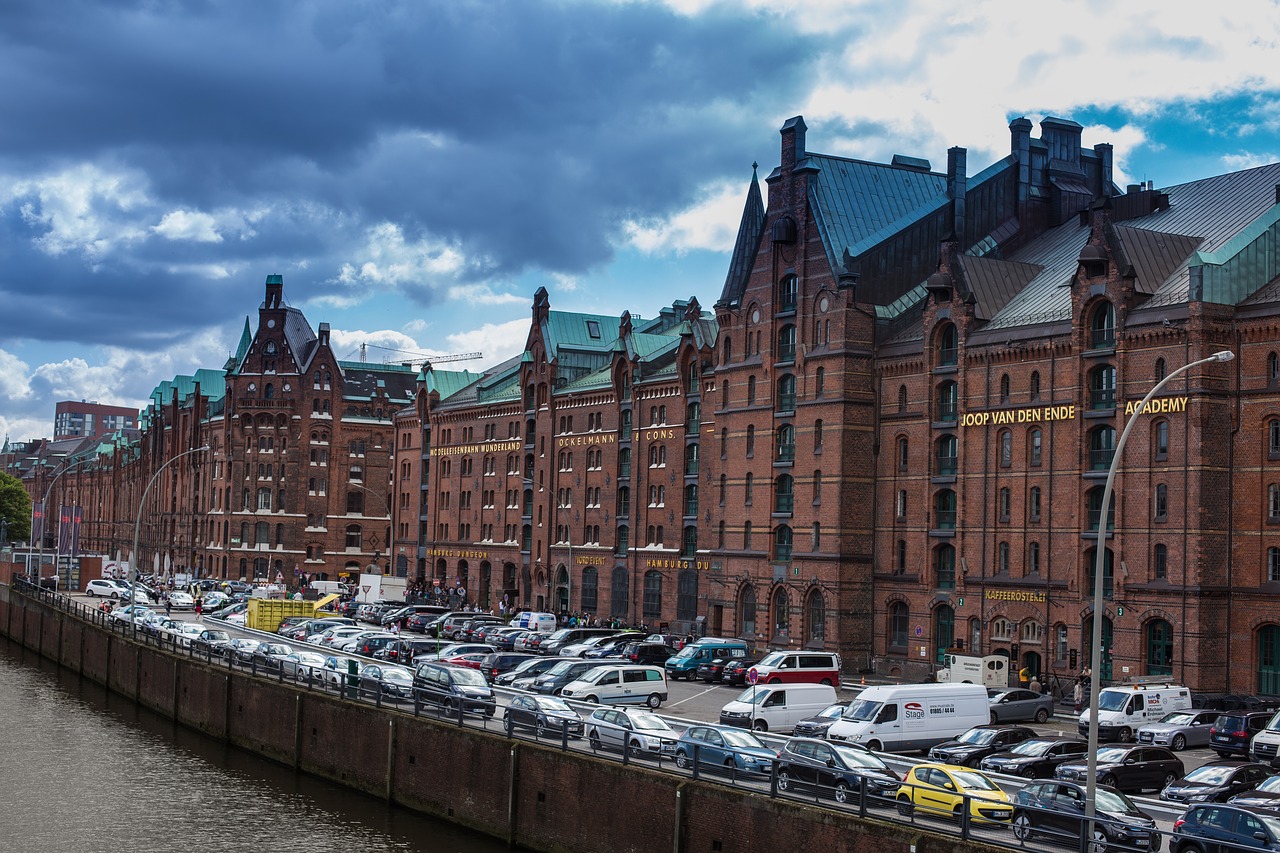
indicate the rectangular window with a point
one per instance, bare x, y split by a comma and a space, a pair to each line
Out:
1162, 502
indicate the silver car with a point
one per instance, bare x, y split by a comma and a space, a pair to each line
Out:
641, 732
1014, 703
1179, 729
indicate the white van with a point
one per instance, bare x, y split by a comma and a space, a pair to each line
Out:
776, 707
911, 717
990, 671
328, 587
1265, 745
1121, 709
535, 621
625, 684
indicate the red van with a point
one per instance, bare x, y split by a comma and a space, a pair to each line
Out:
798, 668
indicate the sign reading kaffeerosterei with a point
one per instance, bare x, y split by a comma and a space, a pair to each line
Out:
1043, 414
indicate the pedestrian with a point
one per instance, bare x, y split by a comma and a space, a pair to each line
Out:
168, 606
1034, 686
199, 608
1079, 695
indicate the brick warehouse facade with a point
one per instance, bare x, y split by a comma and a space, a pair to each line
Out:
888, 436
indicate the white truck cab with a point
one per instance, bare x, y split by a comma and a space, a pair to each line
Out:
989, 671
1124, 707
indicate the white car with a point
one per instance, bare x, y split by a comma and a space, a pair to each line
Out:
129, 613
179, 600
106, 588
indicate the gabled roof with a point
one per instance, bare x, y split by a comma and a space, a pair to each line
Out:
750, 230
994, 282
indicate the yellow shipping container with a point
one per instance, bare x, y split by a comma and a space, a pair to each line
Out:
266, 614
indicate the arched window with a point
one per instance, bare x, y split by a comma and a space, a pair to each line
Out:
944, 507
1269, 660
268, 391
1102, 326
726, 349
652, 596
590, 589
620, 593
1002, 558
783, 494
1108, 572
819, 380
904, 455
786, 401
815, 617
1160, 562
1102, 387
751, 390
1162, 369
353, 537
948, 345
948, 404
1102, 446
786, 343
785, 443
1160, 445
782, 543
1093, 499
1006, 448
944, 567
687, 595
780, 616
899, 620
747, 611
1033, 558
788, 292
751, 440
902, 398
1273, 565
947, 455
1035, 385
1159, 641
1004, 388
1273, 368
748, 488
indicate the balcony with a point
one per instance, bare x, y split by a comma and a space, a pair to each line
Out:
947, 466
1102, 398
1100, 459
784, 504
948, 412
691, 509
786, 402
948, 356
786, 352
946, 519
786, 453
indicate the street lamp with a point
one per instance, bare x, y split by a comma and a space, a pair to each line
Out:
1091, 783
44, 521
137, 526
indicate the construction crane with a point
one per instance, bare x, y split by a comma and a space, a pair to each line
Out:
419, 356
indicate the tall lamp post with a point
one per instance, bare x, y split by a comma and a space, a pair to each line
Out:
137, 526
44, 511
1091, 783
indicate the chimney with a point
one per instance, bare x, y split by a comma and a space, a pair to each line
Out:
1104, 152
275, 290
957, 184
323, 338
1020, 148
1062, 137
793, 142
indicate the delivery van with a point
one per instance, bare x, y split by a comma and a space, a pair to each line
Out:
684, 663
1121, 709
911, 717
535, 621
990, 671
776, 707
1265, 746
792, 667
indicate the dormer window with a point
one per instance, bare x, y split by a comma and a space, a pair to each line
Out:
593, 329
948, 345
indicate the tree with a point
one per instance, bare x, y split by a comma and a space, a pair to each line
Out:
15, 508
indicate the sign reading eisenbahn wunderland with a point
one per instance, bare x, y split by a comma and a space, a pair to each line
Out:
468, 449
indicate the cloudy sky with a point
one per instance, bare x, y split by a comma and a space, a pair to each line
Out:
417, 169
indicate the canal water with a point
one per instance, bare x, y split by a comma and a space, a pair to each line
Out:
85, 770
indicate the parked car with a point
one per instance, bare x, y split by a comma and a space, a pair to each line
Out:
496, 663
269, 655
1037, 757
337, 669
1232, 731
837, 770
1267, 795
530, 642
404, 651
647, 652
568, 670
1055, 809
506, 640
449, 650
945, 788
1229, 828
241, 649
107, 588
642, 732
466, 629
211, 641
371, 643
1216, 782
735, 671
732, 748
526, 672
454, 688
611, 648
180, 600
711, 671
1127, 767
389, 681
548, 716
1179, 729
1014, 704
969, 748
471, 660
817, 725
302, 665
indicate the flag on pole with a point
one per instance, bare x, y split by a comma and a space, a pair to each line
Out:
37, 521
77, 516
64, 530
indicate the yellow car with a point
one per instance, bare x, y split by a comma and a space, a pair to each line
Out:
942, 789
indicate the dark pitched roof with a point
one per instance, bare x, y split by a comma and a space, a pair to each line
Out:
995, 282
1154, 255
750, 230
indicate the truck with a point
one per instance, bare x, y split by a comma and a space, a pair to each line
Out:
989, 671
911, 717
1122, 708
266, 614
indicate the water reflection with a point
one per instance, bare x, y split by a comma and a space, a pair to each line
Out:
84, 770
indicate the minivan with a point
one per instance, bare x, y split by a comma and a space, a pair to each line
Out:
453, 687
534, 621
623, 684
684, 663
776, 707
798, 668
911, 717
568, 636
1233, 730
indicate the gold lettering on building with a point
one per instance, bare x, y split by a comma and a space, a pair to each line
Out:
469, 449
1014, 595
657, 434
458, 553
1035, 414
667, 563
588, 561
1160, 406
576, 440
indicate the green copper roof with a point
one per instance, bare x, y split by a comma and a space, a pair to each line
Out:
449, 382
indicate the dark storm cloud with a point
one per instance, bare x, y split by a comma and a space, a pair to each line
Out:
522, 132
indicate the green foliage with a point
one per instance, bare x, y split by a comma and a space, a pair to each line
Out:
15, 508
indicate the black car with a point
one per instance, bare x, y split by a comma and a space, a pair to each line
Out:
647, 653
404, 651
554, 680
548, 716
1266, 795
837, 770
1056, 809
467, 631
1232, 732
817, 725
497, 663
712, 670
1216, 782
1037, 757
530, 669
211, 642
735, 672
968, 749
269, 655
453, 687
1225, 827
1127, 768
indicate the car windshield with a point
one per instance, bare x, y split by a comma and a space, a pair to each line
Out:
1031, 747
831, 712
219, 635
773, 659
1112, 754
1180, 718
396, 675
1274, 724
561, 668
978, 737
1271, 785
753, 696
742, 740
463, 675
553, 703
649, 723
1114, 802
1112, 700
561, 634
859, 757
1209, 774
973, 781
1272, 823
687, 652
862, 710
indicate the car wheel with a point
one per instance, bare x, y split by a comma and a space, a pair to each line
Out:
905, 807
1168, 780
1108, 780
994, 718
1126, 735
594, 738
774, 681
826, 681
636, 749
90, 593
1042, 715
1188, 847
760, 726
842, 792
1178, 744
115, 596
1222, 754
784, 780
682, 761
654, 700
875, 746
1099, 842
593, 700
1022, 829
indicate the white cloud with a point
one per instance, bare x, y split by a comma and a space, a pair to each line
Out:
85, 209
483, 294
1246, 160
189, 225
498, 342
711, 223
391, 260
14, 380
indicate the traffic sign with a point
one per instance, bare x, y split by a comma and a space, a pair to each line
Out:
752, 676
